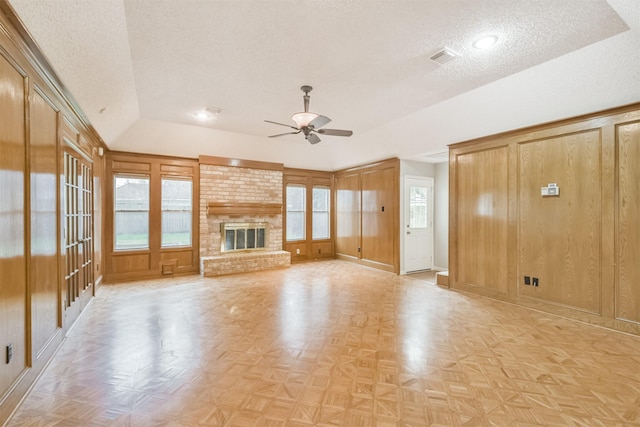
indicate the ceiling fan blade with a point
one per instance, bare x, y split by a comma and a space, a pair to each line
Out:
335, 132
286, 133
282, 124
313, 138
319, 121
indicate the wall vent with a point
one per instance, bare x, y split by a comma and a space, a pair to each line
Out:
444, 55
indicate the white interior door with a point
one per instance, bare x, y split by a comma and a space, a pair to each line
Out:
418, 223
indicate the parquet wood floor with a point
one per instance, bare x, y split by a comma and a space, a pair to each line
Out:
427, 275
329, 343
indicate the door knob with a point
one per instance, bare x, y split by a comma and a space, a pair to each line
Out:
408, 232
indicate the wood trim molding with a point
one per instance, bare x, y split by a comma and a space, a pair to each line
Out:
215, 208
380, 164
305, 173
240, 163
115, 154
544, 129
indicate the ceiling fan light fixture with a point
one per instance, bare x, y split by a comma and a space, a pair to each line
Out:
309, 124
303, 119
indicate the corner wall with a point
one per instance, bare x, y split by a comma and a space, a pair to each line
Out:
441, 217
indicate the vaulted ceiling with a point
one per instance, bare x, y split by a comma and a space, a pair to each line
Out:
140, 69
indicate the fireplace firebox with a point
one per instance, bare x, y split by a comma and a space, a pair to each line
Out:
243, 236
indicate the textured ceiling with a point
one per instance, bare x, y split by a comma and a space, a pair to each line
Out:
150, 64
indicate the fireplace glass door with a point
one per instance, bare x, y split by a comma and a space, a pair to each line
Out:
243, 236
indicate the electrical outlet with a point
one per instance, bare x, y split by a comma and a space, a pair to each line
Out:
535, 282
527, 280
9, 352
298, 251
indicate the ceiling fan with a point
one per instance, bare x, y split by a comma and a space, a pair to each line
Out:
310, 123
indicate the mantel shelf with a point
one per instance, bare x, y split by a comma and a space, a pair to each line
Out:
216, 208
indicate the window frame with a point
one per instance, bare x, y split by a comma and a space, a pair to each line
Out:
309, 248
155, 261
146, 177
162, 211
304, 212
326, 188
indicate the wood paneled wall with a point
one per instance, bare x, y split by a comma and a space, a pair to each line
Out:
581, 246
36, 115
628, 225
367, 210
309, 249
155, 260
44, 271
559, 237
13, 247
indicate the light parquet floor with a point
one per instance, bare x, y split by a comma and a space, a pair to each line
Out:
426, 275
329, 343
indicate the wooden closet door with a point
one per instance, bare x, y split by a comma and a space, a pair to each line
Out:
379, 203
481, 216
348, 215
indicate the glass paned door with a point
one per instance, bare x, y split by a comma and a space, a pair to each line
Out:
78, 226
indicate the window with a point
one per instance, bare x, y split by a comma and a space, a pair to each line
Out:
296, 201
131, 223
320, 219
418, 207
176, 212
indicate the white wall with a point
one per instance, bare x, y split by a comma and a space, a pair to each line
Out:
441, 217
410, 167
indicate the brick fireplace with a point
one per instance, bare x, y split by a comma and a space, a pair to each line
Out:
240, 192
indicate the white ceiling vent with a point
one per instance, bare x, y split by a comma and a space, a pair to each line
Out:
444, 55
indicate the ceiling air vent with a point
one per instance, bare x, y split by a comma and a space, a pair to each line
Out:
444, 55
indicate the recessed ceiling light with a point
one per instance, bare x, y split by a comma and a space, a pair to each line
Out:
202, 115
207, 113
485, 42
